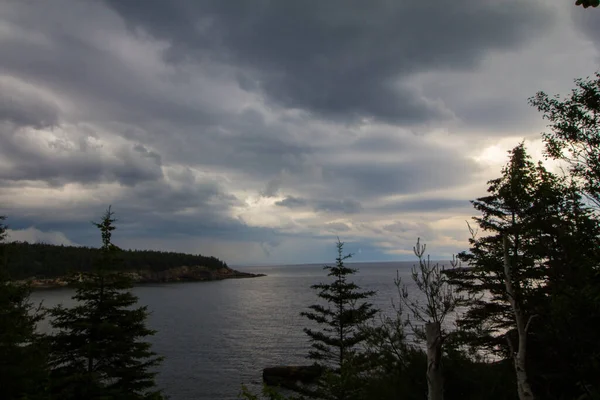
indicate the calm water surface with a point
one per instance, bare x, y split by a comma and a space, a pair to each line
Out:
217, 335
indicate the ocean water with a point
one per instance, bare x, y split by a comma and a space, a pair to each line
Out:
216, 336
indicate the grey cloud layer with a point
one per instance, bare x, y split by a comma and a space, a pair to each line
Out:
32, 157
340, 59
182, 113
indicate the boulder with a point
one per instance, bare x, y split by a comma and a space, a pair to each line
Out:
289, 376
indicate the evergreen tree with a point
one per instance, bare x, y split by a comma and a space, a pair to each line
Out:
337, 346
22, 350
515, 201
97, 351
552, 250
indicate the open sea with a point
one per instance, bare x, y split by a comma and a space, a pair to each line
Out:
218, 335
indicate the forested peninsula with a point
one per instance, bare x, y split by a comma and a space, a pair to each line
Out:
49, 266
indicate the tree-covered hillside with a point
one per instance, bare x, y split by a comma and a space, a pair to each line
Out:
41, 260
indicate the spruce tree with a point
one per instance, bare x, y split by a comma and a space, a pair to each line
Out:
505, 274
551, 255
336, 347
97, 350
518, 205
22, 351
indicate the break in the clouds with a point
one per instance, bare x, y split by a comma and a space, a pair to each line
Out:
258, 131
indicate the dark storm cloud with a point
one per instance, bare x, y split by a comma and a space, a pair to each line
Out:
89, 64
74, 59
186, 111
338, 58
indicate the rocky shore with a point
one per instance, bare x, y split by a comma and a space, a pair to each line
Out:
178, 274
292, 376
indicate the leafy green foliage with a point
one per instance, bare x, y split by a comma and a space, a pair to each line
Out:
575, 131
337, 346
22, 351
50, 261
97, 350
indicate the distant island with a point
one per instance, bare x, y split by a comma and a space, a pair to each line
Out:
49, 266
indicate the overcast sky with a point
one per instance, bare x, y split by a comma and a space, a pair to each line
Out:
258, 131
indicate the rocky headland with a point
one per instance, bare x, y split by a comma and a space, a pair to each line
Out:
177, 274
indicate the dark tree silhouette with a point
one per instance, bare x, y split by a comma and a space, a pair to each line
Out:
336, 346
97, 351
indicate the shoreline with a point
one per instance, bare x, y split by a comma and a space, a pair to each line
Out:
140, 278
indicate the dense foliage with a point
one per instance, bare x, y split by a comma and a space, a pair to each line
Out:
574, 135
25, 260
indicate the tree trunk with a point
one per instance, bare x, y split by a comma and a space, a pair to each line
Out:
435, 382
523, 388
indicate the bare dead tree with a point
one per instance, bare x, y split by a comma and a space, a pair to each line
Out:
440, 302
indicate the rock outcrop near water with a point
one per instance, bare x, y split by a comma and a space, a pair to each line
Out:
291, 376
177, 274
189, 274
